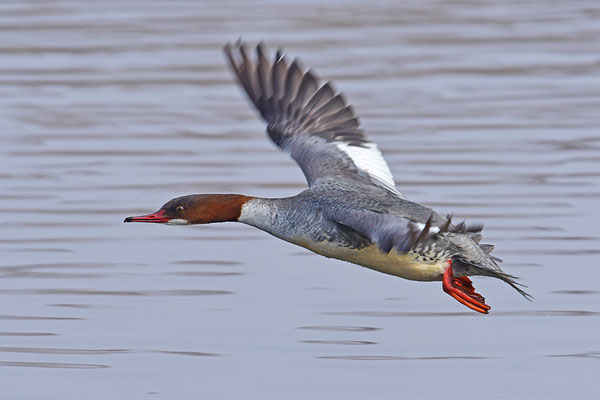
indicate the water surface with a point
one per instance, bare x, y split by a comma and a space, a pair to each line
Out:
487, 110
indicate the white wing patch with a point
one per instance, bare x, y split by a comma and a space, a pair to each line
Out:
421, 226
370, 160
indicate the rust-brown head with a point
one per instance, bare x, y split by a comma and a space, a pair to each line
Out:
197, 209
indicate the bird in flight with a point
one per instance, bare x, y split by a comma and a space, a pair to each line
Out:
351, 210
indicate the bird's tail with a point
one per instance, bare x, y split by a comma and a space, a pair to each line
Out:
475, 258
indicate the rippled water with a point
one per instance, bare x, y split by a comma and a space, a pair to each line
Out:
488, 110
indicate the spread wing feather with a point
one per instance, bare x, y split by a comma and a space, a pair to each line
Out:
310, 121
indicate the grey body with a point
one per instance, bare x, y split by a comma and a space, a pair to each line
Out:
312, 219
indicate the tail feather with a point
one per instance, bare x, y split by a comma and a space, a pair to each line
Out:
490, 268
511, 280
475, 258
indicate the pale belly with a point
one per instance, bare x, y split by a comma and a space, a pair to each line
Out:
394, 263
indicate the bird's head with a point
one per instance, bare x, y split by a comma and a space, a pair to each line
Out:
196, 209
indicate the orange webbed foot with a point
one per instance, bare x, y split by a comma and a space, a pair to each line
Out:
461, 288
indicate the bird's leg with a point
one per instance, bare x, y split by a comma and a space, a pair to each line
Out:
462, 290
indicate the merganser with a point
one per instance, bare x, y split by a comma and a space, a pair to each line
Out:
351, 210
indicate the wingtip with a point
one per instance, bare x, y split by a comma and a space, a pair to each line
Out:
239, 44
279, 55
229, 45
329, 86
296, 61
260, 49
227, 49
311, 75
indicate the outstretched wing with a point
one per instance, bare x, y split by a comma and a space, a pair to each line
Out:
310, 121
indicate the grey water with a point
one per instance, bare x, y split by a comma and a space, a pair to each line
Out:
487, 110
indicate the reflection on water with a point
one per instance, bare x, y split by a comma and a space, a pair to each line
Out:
485, 110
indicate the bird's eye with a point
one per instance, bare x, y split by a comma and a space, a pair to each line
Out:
180, 209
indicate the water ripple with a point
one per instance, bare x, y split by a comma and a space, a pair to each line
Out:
590, 354
38, 318
94, 292
415, 314
338, 342
26, 334
33, 364
46, 350
403, 358
338, 328
577, 292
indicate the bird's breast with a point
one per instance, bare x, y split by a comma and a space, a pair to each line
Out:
405, 265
